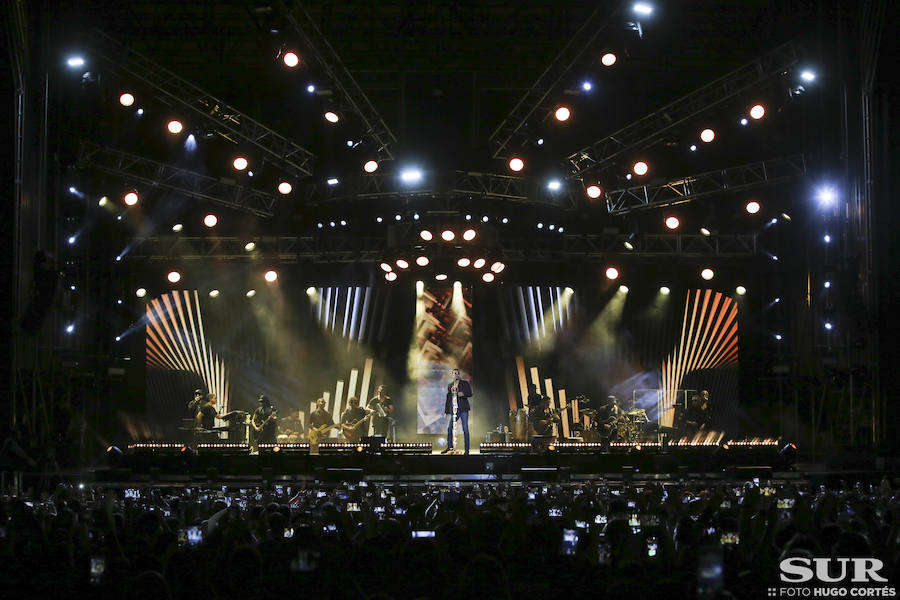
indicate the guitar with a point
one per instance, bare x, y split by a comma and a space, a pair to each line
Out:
259, 427
350, 431
315, 433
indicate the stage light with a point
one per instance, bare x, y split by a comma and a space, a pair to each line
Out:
479, 263
402, 263
72, 240
311, 88
131, 198
422, 261
744, 121
415, 216
498, 267
553, 185
786, 217
271, 276
447, 235
290, 59
540, 142
707, 274
808, 76
174, 126
469, 235
757, 111
776, 300
387, 268
390, 276
213, 293
411, 175
379, 220
310, 291
118, 338
487, 277
752, 207
250, 293
140, 292
628, 176
70, 327
139, 112
672, 222
740, 290
586, 86
608, 59
240, 163
173, 276
426, 235
640, 168
75, 61
190, 143
210, 220
612, 273
250, 246
285, 188
562, 113
177, 227
468, 217
623, 289
332, 117
593, 191
441, 277
560, 230
103, 201
827, 284
552, 227
397, 217
126, 99
343, 223
371, 166
828, 325
485, 219
827, 238
642, 8
463, 262
72, 287
774, 257
665, 291
540, 225
504, 220
629, 245
778, 337
707, 135
705, 232
516, 164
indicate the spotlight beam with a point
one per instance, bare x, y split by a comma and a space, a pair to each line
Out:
645, 131
686, 189
229, 122
160, 175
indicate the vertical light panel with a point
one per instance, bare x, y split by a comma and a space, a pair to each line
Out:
526, 328
338, 400
548, 387
565, 414
367, 377
536, 378
523, 382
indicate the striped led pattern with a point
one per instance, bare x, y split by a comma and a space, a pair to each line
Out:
709, 340
176, 342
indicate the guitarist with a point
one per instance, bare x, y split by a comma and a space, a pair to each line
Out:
265, 421
353, 419
320, 423
540, 415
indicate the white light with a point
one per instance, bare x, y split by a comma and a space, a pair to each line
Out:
118, 339
612, 273
70, 328
827, 238
829, 326
640, 168
593, 191
71, 240
752, 207
553, 185
665, 291
402, 263
479, 263
740, 290
250, 293
672, 222
415, 216
350, 143
757, 111
487, 277
343, 223
422, 261
72, 287
285, 188
628, 176
540, 142
540, 225
463, 262
778, 337
140, 112
827, 195
332, 117
827, 284
386, 267
441, 276
290, 59
498, 267
173, 276
629, 245
250, 246
468, 217
504, 220
310, 291
119, 258
240, 163
190, 143
744, 121
560, 230
271, 276
410, 175
426, 235
131, 198
379, 220
777, 300
707, 274
562, 113
126, 99
586, 86
140, 292
707, 135
516, 164
642, 8
397, 217
175, 126
705, 232
773, 221
210, 220
608, 59
213, 293
623, 289
774, 257
103, 201
177, 227
311, 88
75, 61
552, 227
447, 235
371, 166
693, 147
390, 276
485, 219
808, 76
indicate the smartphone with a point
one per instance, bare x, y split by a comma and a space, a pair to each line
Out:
131, 493
279, 489
321, 494
569, 542
603, 553
353, 507
729, 538
768, 491
600, 520
710, 531
288, 532
580, 524
98, 568
709, 573
631, 504
652, 546
633, 520
785, 503
725, 504
531, 495
422, 533
378, 510
330, 528
554, 512
399, 511
615, 492
194, 535
479, 501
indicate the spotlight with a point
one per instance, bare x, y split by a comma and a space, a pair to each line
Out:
608, 59
757, 111
190, 143
504, 220
70, 327
310, 291
478, 263
140, 292
250, 293
250, 246
560, 229
240, 163
628, 176
828, 325
371, 166
118, 338
540, 225
415, 216
642, 8
776, 300
173, 276
411, 175
332, 117
271, 276
441, 277
402, 263
390, 276
469, 235
485, 219
177, 227
629, 245
827, 284
487, 277
468, 217
612, 273
740, 290
210, 220
808, 76
707, 274
103, 201
285, 188
311, 88
447, 235
386, 267
672, 222
516, 164
343, 223
140, 112
786, 217
665, 291
552, 227
752, 207
426, 235
290, 59
553, 185
72, 240
422, 261
707, 135
463, 262
126, 99
593, 191
640, 168
827, 238
213, 293
744, 121
174, 126
498, 267
586, 86
379, 220
705, 232
778, 337
75, 61
623, 289
562, 114
540, 142
397, 217
131, 198
826, 195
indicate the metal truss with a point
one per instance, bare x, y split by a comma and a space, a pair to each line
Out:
349, 248
732, 179
487, 186
644, 132
509, 132
229, 122
350, 93
160, 175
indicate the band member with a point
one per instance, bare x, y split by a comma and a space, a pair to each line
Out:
353, 419
541, 416
206, 419
320, 422
265, 421
382, 408
458, 393
194, 405
534, 396
607, 417
697, 416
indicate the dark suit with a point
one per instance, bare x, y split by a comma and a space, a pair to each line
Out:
463, 393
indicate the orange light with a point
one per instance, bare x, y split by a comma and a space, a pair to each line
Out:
672, 222
447, 235
210, 220
593, 191
126, 99
612, 273
285, 188
707, 135
608, 59
290, 59
752, 207
371, 166
757, 111
464, 262
707, 274
426, 235
479, 263
469, 235
131, 198
488, 277
640, 168
173, 276
174, 126
240, 163
271, 276
562, 114
516, 164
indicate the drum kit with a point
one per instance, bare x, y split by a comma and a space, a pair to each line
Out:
627, 426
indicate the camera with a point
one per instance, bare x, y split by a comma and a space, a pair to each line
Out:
422, 533
652, 546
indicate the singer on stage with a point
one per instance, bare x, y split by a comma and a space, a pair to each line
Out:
458, 394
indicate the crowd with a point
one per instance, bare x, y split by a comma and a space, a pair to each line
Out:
602, 539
